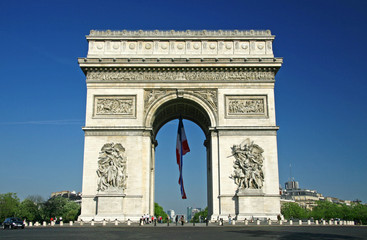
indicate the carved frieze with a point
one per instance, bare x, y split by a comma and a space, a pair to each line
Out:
190, 43
248, 165
246, 106
115, 106
111, 172
174, 33
121, 76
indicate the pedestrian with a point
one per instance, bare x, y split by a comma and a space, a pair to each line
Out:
182, 220
176, 219
229, 219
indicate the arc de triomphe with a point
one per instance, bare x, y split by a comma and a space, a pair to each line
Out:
139, 80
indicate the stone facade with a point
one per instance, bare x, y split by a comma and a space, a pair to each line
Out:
139, 80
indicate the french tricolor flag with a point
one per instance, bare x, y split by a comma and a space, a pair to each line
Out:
182, 147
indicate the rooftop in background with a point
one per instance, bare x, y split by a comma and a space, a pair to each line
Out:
72, 195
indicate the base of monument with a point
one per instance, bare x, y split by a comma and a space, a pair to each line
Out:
245, 216
254, 216
109, 218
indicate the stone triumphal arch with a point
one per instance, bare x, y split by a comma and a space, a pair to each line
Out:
139, 80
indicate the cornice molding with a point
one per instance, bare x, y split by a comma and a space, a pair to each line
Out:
244, 130
116, 131
179, 61
173, 33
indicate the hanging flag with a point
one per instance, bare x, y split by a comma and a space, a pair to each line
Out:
182, 147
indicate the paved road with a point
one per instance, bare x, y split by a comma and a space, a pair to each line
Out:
188, 232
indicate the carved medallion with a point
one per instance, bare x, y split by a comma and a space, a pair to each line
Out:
248, 172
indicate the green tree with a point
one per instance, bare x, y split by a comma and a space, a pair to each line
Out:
293, 210
29, 210
9, 203
359, 213
326, 210
71, 211
203, 214
60, 207
158, 211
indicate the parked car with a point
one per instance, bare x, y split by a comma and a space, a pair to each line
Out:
13, 223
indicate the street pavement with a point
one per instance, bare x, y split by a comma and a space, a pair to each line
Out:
212, 232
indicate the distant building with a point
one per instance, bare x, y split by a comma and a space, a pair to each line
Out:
171, 213
71, 195
189, 213
195, 210
304, 197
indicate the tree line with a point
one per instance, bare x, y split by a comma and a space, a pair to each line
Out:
200, 215
34, 208
159, 212
326, 210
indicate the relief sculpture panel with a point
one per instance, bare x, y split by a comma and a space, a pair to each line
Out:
114, 106
248, 172
246, 106
176, 75
112, 168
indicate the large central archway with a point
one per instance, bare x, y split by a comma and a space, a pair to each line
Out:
139, 80
172, 108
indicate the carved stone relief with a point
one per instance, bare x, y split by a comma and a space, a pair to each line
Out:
112, 168
178, 75
246, 106
208, 95
150, 96
248, 172
114, 106
181, 33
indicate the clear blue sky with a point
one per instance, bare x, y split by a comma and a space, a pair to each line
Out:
320, 90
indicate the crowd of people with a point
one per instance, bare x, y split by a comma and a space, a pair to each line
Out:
147, 219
